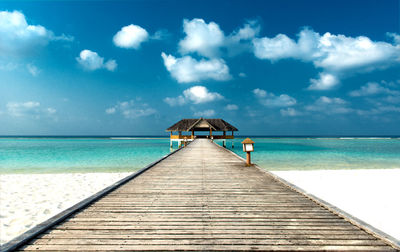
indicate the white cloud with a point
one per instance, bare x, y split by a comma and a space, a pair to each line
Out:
243, 75
175, 101
231, 107
271, 100
28, 109
395, 37
290, 112
205, 113
110, 65
51, 110
202, 38
32, 69
111, 110
131, 109
130, 36
335, 54
17, 37
373, 88
200, 94
160, 35
329, 105
260, 93
279, 47
380, 109
92, 61
207, 39
250, 30
326, 81
240, 40
187, 69
195, 95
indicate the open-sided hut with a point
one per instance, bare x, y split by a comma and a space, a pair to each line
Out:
201, 124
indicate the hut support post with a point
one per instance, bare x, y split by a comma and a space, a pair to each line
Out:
224, 143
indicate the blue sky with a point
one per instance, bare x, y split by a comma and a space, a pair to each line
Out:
136, 67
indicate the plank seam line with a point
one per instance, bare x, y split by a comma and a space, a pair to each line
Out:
32, 233
390, 240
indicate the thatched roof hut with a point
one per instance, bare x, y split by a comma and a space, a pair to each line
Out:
202, 124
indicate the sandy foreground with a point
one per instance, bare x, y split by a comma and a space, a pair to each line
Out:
370, 195
29, 199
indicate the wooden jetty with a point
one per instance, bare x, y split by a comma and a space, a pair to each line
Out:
203, 197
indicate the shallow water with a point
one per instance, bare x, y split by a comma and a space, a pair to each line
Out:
323, 153
64, 155
43, 155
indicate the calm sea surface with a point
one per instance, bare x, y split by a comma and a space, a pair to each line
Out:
61, 155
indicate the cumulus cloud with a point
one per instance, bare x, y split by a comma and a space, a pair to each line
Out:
200, 94
28, 109
202, 38
205, 113
329, 105
188, 69
131, 109
195, 95
130, 36
271, 100
335, 54
250, 30
231, 107
325, 81
260, 93
279, 47
17, 37
207, 39
90, 60
373, 88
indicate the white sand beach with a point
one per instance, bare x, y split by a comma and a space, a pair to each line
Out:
370, 195
29, 199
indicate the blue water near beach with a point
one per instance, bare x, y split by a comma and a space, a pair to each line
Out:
323, 153
65, 155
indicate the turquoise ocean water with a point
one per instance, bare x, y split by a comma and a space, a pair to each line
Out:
63, 155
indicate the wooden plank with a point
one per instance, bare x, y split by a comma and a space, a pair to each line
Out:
208, 241
206, 235
329, 232
228, 247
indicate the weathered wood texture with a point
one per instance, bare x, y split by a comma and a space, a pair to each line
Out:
205, 198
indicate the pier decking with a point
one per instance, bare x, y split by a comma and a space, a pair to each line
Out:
204, 198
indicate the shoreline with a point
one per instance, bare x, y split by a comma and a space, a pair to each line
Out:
29, 199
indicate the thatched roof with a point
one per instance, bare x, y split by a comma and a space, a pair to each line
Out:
202, 124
